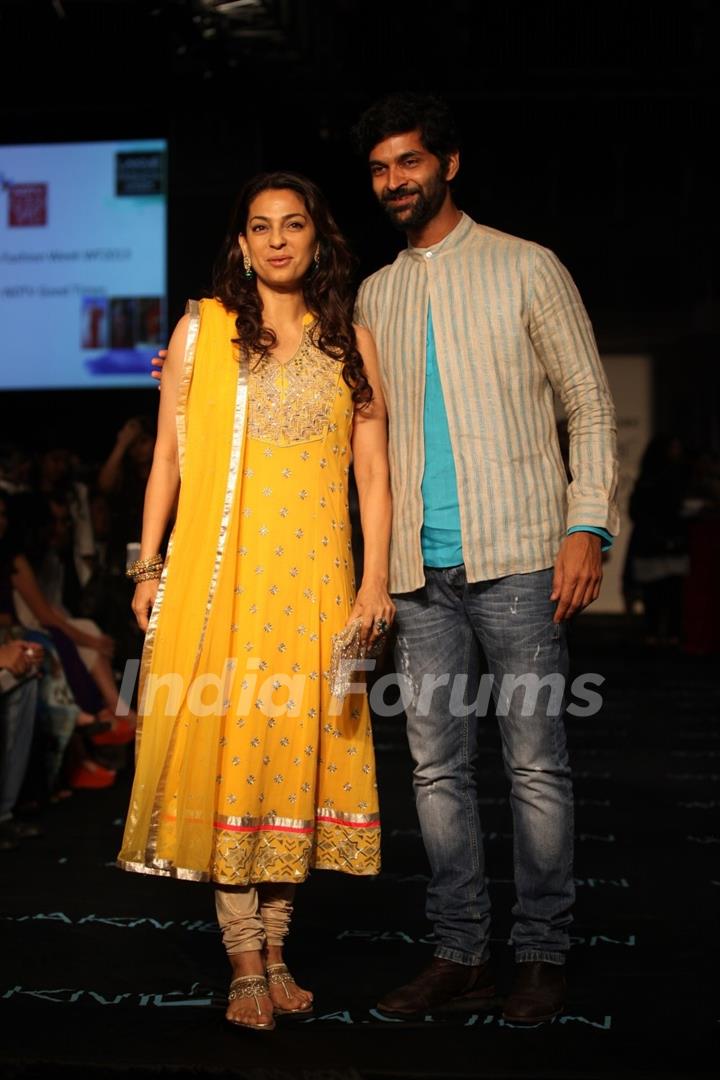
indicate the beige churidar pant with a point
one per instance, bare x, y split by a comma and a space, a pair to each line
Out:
252, 915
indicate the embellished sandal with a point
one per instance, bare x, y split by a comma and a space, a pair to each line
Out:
254, 986
278, 975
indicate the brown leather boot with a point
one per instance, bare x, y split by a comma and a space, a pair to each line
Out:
443, 986
538, 993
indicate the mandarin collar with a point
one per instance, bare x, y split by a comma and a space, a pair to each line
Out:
454, 238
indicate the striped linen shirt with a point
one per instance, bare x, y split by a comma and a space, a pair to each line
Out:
510, 331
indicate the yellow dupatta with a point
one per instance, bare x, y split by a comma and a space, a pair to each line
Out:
169, 824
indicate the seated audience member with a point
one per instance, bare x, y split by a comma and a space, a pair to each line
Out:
18, 701
106, 597
122, 479
38, 602
83, 700
16, 465
55, 478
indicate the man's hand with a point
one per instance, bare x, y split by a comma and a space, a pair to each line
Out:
157, 362
578, 574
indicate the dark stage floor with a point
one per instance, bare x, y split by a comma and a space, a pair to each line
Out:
106, 973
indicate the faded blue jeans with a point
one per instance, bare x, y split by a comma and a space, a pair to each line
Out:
442, 629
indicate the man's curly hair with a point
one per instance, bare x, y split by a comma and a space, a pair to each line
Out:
409, 111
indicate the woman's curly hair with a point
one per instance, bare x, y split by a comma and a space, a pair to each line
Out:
328, 286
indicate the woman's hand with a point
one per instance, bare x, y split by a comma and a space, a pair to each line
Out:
20, 657
143, 600
370, 465
373, 605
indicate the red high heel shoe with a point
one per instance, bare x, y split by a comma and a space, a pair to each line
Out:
95, 777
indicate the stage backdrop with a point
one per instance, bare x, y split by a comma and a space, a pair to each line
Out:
82, 263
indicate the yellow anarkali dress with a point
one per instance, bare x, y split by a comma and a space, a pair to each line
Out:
247, 769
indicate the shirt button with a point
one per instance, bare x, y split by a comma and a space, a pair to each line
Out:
428, 254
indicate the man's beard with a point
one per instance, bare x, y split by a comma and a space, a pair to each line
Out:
426, 206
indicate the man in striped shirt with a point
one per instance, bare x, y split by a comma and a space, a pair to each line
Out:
492, 551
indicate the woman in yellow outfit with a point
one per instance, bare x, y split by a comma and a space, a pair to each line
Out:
248, 771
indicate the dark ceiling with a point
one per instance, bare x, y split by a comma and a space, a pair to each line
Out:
130, 48
589, 126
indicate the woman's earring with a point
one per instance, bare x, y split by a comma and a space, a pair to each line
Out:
316, 257
248, 266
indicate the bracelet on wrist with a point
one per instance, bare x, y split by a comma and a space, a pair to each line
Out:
154, 562
152, 567
147, 575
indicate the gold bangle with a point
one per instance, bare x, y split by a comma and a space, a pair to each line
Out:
140, 565
147, 575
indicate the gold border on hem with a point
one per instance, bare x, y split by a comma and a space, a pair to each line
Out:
181, 873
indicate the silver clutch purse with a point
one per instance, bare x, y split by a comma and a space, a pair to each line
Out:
347, 650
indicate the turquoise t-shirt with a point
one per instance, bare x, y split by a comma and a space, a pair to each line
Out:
441, 536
